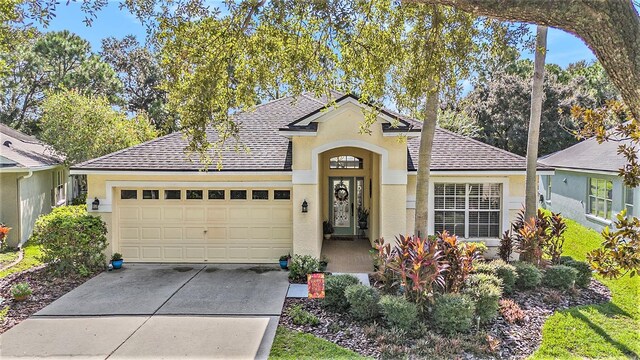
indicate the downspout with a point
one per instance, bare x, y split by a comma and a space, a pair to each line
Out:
20, 205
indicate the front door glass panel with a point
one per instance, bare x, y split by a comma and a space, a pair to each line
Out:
341, 196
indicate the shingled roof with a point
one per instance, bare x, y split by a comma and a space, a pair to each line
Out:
271, 151
588, 155
21, 151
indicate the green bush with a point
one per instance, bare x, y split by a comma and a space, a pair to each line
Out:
301, 265
72, 240
300, 316
398, 312
485, 291
453, 313
583, 279
505, 272
80, 200
528, 275
334, 287
363, 301
560, 277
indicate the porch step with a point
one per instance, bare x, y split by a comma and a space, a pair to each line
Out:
301, 290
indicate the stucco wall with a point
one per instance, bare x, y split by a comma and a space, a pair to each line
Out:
9, 205
35, 199
569, 196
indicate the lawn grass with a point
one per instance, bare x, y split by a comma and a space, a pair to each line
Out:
31, 254
290, 345
609, 330
8, 257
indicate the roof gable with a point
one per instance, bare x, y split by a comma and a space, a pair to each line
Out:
19, 150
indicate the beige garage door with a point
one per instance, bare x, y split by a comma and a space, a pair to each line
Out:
251, 225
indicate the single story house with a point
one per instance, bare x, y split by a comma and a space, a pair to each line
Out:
33, 181
586, 186
307, 163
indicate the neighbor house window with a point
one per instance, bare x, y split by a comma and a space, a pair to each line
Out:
468, 210
600, 197
628, 201
58, 191
548, 197
345, 162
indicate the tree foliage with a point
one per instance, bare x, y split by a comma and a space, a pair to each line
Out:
50, 62
82, 127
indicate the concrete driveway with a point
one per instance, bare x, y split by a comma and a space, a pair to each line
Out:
158, 311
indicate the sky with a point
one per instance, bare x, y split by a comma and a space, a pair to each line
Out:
563, 48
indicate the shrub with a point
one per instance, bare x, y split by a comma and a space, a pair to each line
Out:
510, 311
21, 291
300, 316
80, 199
528, 275
72, 240
398, 312
507, 243
459, 257
334, 287
540, 235
453, 313
505, 272
583, 278
560, 277
363, 301
416, 262
485, 290
301, 265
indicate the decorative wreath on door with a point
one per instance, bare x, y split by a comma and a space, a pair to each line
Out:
341, 192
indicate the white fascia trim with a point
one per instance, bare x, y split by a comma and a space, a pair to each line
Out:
106, 204
599, 172
347, 100
486, 180
470, 173
290, 134
410, 134
28, 169
178, 173
389, 177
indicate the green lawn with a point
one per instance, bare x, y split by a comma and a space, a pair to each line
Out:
31, 253
610, 330
290, 344
8, 257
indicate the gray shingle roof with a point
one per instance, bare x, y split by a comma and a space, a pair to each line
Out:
588, 155
18, 150
270, 151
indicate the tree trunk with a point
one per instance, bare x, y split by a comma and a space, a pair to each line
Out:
611, 29
424, 163
537, 91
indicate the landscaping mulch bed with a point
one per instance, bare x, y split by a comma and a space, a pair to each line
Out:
514, 341
46, 289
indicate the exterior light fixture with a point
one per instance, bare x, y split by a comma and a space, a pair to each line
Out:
305, 206
95, 204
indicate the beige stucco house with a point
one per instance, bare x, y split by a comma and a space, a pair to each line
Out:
161, 207
32, 182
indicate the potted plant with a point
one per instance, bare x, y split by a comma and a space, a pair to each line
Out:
327, 229
116, 260
284, 261
363, 218
21, 291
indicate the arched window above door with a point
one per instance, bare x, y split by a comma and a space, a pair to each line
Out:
345, 162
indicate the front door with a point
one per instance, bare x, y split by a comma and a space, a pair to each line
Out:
341, 206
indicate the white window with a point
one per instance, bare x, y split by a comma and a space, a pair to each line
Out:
345, 162
600, 197
628, 201
548, 197
468, 210
59, 189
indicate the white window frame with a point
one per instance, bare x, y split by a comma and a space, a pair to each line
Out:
467, 210
628, 203
608, 209
548, 188
59, 189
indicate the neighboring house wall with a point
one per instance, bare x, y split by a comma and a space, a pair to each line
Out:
9, 205
570, 196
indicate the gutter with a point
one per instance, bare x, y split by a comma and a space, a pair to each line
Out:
19, 179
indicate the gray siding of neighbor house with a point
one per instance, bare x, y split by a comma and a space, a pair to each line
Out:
569, 196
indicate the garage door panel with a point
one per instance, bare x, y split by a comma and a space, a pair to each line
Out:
203, 230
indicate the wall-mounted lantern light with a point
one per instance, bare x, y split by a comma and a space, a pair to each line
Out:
305, 206
95, 204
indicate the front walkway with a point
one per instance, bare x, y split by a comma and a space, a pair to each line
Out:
348, 256
158, 311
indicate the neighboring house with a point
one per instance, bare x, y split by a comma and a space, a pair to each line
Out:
32, 182
160, 206
586, 186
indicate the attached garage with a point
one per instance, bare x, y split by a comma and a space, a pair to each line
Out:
217, 225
